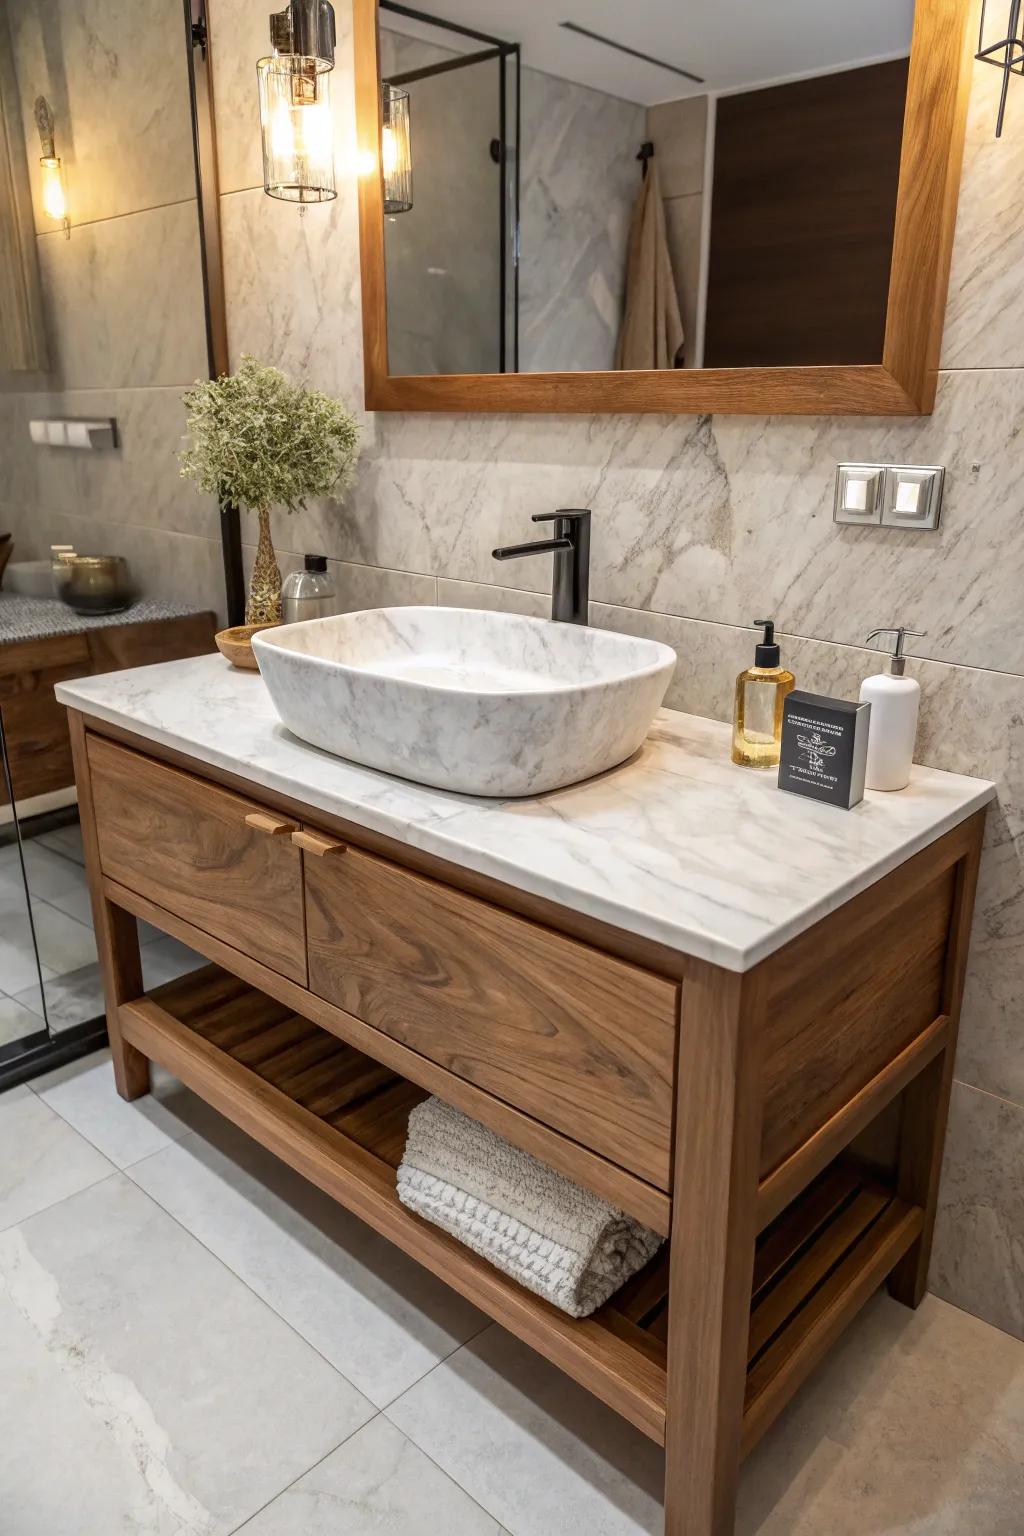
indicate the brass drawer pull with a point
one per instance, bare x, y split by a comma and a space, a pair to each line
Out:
315, 842
273, 826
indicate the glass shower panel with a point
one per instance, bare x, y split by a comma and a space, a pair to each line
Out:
22, 1006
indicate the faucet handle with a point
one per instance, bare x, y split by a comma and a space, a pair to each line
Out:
573, 514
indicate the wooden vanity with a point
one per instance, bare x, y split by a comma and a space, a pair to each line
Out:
353, 973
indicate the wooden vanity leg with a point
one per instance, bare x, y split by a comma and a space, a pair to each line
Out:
117, 934
926, 1100
717, 1157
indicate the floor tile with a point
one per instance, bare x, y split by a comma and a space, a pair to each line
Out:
534, 1449
147, 1391
70, 999
17, 951
165, 959
376, 1484
66, 840
913, 1427
16, 1021
64, 945
42, 1160
382, 1319
83, 1094
50, 873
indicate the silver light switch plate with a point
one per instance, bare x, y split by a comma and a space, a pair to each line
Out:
912, 496
859, 489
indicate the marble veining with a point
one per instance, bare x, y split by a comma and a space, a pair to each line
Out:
488, 704
677, 845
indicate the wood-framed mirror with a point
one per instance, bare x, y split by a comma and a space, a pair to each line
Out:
710, 208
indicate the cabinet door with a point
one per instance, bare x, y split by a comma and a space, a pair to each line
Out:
204, 853
577, 1039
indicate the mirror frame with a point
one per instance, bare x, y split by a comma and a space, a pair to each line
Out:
903, 384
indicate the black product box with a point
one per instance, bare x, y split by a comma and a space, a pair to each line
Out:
824, 748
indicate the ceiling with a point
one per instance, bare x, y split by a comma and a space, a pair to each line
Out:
730, 43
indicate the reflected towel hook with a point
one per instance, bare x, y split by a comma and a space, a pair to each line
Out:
646, 152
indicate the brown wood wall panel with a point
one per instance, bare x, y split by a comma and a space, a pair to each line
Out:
806, 178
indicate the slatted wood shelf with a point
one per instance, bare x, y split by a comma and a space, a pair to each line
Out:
340, 1118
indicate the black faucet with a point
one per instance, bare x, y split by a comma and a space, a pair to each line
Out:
570, 586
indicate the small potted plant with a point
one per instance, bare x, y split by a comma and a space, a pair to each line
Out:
260, 441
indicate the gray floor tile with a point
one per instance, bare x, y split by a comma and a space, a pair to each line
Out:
42, 1160
70, 999
536, 1451
147, 1391
377, 1484
16, 1021
165, 959
50, 873
64, 945
382, 1319
83, 1094
66, 840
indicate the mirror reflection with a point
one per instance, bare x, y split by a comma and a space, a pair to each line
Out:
698, 185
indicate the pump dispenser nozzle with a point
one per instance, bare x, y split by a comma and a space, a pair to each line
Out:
897, 660
767, 653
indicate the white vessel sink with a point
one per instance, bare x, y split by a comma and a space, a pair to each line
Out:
484, 703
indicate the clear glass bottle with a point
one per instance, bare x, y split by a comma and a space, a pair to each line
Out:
309, 593
760, 694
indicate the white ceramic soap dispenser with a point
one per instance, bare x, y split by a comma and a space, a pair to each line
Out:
895, 700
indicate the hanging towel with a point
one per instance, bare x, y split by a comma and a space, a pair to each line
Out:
555, 1238
652, 330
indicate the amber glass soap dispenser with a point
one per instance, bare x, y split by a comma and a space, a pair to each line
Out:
760, 694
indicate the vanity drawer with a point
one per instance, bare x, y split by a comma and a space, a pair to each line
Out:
573, 1037
187, 845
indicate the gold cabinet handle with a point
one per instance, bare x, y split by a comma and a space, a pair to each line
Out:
272, 826
315, 842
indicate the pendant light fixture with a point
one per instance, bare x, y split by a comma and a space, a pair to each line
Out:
55, 202
1006, 53
295, 104
396, 148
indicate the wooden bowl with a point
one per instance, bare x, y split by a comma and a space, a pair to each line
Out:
235, 645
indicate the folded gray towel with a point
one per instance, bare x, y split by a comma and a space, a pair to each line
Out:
557, 1239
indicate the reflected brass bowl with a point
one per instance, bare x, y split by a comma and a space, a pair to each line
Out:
97, 584
235, 645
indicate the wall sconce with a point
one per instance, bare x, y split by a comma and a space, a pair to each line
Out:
396, 148
1006, 54
55, 203
295, 104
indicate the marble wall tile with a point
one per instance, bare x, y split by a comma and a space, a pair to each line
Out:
984, 326
579, 179
115, 73
978, 1259
124, 301
355, 586
471, 594
178, 567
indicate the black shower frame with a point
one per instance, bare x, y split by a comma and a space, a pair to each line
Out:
496, 48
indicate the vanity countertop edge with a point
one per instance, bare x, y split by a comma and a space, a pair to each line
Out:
677, 845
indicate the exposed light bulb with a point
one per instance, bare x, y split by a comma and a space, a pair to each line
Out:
388, 151
55, 203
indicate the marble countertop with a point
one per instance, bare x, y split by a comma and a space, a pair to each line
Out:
33, 618
677, 845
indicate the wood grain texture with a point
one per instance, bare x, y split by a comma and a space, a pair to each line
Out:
806, 178
933, 147
36, 725
117, 933
718, 1134
833, 1024
186, 844
926, 1103
623, 1189
364, 1182
903, 384
614, 941
566, 1034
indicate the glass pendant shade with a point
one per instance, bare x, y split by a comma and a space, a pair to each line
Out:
396, 149
298, 137
55, 203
